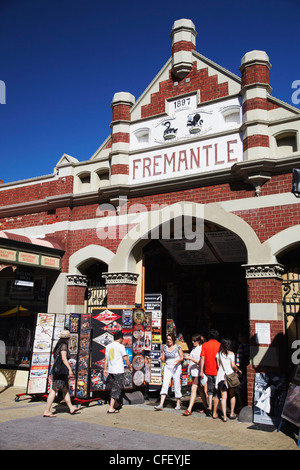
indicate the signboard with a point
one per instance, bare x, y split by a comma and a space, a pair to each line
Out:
26, 258
186, 159
212, 133
153, 306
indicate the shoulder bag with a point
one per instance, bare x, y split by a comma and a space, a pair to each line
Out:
59, 367
232, 379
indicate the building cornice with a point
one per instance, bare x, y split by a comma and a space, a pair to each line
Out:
253, 172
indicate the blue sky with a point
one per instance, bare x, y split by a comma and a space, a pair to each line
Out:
63, 60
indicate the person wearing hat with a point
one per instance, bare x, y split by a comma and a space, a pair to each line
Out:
60, 382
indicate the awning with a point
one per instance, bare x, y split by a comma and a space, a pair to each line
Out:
18, 249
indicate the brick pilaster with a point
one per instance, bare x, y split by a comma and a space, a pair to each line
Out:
265, 310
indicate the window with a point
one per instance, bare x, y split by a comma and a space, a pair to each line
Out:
286, 143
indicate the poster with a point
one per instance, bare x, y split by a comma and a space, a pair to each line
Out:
291, 409
269, 396
104, 323
136, 328
153, 315
83, 366
47, 332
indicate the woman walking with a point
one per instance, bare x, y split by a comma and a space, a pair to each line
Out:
60, 381
226, 366
172, 355
194, 371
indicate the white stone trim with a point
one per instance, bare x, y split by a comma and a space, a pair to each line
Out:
262, 271
77, 280
121, 278
266, 312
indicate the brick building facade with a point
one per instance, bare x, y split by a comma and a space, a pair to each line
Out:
202, 151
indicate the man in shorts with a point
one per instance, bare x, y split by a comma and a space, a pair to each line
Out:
208, 364
115, 352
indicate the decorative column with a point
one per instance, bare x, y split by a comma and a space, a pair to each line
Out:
183, 37
256, 167
121, 289
76, 289
120, 126
266, 325
255, 68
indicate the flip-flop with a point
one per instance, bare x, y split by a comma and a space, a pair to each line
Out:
186, 413
75, 411
113, 412
49, 416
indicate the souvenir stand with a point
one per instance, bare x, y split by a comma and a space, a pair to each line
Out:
47, 330
90, 334
136, 325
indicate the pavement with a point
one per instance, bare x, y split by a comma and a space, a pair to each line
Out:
137, 430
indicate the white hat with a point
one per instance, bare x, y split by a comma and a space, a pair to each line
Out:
65, 334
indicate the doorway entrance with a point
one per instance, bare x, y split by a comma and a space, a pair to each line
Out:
203, 290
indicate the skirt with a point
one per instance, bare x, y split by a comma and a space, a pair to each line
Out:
60, 383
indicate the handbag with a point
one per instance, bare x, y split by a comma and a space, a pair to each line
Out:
232, 379
59, 367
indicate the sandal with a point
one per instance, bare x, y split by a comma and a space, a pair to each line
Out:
186, 413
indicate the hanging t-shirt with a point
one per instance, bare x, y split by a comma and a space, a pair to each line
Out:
115, 352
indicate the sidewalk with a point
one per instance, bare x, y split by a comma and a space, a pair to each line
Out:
136, 427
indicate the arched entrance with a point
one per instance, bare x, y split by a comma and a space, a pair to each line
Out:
200, 289
91, 262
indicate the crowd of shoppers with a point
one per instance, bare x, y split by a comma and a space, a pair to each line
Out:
210, 363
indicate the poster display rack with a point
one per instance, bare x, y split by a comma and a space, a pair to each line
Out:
47, 330
90, 334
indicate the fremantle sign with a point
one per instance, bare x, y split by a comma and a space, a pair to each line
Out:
186, 160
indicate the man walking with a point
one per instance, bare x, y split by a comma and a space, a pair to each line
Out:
208, 364
115, 352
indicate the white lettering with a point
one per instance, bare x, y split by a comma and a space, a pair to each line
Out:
296, 94
296, 354
170, 459
119, 460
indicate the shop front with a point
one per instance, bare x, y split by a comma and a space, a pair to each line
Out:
188, 201
29, 268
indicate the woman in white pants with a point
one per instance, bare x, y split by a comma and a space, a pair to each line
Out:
172, 355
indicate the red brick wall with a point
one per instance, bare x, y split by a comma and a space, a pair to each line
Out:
255, 74
265, 291
255, 141
121, 294
36, 191
199, 80
183, 46
75, 295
